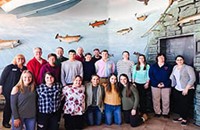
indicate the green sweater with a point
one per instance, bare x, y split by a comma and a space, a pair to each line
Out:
130, 102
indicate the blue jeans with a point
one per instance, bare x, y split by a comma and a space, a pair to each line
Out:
113, 111
28, 122
94, 115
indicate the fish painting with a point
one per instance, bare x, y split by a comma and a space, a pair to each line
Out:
124, 31
5, 44
99, 23
68, 38
142, 17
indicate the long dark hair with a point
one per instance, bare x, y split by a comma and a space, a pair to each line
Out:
138, 62
108, 88
121, 86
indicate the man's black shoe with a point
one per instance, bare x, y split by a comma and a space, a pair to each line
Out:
7, 125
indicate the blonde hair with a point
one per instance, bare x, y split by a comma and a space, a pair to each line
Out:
20, 85
14, 61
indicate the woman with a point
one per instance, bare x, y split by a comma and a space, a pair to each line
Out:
49, 101
50, 67
112, 102
130, 101
125, 65
94, 100
183, 78
141, 79
23, 99
74, 106
9, 78
160, 85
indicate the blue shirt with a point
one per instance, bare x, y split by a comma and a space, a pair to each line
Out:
160, 74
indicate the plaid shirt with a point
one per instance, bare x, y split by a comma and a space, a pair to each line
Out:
49, 99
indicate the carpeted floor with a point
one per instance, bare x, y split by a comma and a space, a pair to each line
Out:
153, 123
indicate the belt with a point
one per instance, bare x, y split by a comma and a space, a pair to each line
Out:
103, 77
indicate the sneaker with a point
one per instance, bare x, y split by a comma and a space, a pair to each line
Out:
145, 117
183, 123
177, 119
166, 116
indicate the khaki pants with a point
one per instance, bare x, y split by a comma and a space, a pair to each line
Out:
164, 95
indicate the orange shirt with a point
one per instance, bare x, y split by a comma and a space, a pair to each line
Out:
112, 98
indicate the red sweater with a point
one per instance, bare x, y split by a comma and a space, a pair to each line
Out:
34, 66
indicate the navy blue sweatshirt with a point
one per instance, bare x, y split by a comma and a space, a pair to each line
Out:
160, 74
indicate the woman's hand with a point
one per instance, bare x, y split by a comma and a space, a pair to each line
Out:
17, 123
133, 112
146, 85
185, 92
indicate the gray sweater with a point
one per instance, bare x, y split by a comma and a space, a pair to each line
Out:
23, 105
69, 70
89, 96
187, 76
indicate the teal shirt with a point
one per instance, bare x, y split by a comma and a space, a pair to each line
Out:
140, 76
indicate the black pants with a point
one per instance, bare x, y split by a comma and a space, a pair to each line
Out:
143, 96
183, 103
74, 122
7, 110
133, 120
48, 121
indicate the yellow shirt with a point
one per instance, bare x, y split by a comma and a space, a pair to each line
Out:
112, 98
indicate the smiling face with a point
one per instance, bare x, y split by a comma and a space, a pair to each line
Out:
49, 79
123, 80
77, 82
113, 79
59, 52
95, 81
161, 59
52, 60
125, 56
27, 78
37, 53
179, 61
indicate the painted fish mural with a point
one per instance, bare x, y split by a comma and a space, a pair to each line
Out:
99, 23
124, 31
5, 44
68, 38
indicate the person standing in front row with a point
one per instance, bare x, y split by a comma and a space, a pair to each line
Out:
35, 64
141, 79
104, 68
112, 102
183, 79
159, 74
23, 103
70, 68
9, 78
49, 101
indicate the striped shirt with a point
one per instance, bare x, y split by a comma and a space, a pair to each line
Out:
104, 69
49, 98
125, 67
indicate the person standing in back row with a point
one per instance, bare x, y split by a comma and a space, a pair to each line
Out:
70, 68
104, 68
35, 64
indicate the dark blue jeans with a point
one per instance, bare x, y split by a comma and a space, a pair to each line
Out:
94, 115
112, 111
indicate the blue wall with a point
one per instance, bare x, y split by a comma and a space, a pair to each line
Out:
40, 31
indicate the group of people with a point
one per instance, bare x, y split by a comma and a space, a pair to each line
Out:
92, 89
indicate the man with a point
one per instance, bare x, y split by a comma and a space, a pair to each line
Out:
60, 57
35, 64
104, 67
70, 69
79, 54
96, 56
